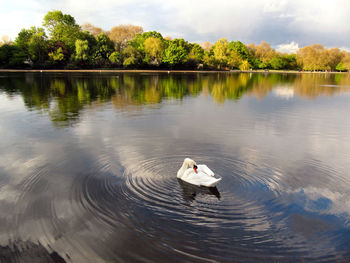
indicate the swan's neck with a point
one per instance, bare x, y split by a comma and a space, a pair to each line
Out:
182, 169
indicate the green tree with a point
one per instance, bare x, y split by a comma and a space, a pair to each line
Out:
240, 48
37, 46
195, 56
139, 41
12, 56
244, 65
104, 48
90, 39
345, 63
81, 50
23, 38
263, 65
209, 60
57, 56
154, 48
221, 52
277, 62
33, 42
62, 27
234, 60
341, 67
58, 52
115, 58
291, 61
131, 57
176, 52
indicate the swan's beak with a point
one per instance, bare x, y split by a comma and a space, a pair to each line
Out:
195, 168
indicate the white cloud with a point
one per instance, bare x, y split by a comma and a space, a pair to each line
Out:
305, 22
284, 92
11, 23
291, 47
339, 206
345, 48
275, 6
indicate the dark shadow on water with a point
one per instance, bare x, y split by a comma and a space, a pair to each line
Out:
28, 251
190, 191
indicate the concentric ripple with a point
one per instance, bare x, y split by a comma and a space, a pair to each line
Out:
89, 162
246, 211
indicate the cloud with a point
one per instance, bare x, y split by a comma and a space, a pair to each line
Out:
323, 200
13, 19
277, 22
291, 47
275, 6
284, 92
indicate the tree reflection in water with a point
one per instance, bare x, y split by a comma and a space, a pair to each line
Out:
64, 96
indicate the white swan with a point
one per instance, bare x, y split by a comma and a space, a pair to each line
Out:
199, 175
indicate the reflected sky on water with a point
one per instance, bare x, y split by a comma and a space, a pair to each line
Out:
89, 161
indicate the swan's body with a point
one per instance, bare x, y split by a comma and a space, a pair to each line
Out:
203, 177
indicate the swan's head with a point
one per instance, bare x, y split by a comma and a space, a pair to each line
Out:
187, 163
191, 163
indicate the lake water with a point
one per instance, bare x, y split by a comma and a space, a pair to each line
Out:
88, 167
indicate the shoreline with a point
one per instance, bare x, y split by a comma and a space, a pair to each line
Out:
165, 71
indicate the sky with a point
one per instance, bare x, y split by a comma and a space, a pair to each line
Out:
286, 24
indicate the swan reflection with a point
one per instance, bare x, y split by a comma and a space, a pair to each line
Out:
190, 191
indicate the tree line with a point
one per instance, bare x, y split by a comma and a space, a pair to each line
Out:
62, 43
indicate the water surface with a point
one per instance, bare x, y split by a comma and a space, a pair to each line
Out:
88, 167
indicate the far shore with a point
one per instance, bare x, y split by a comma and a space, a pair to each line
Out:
167, 71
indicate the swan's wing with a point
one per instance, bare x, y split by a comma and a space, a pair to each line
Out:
200, 178
205, 169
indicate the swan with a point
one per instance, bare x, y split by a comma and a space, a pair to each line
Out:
199, 175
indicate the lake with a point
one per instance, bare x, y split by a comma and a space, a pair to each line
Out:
88, 167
